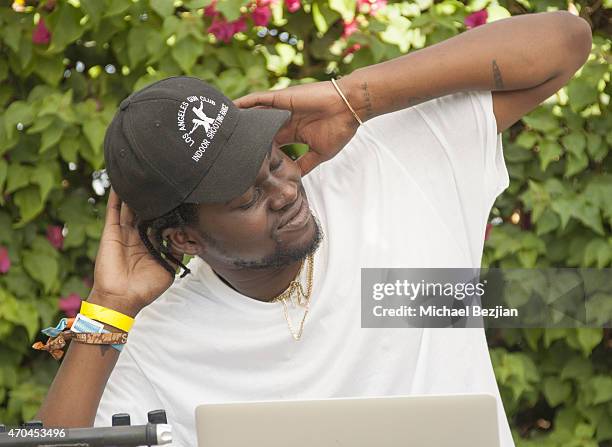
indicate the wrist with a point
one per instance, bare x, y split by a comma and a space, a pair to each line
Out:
114, 302
357, 91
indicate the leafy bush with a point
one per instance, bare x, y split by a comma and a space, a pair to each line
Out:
65, 66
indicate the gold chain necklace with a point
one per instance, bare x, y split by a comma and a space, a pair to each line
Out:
303, 299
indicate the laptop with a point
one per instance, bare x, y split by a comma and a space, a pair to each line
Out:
460, 420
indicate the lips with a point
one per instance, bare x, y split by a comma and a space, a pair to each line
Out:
296, 218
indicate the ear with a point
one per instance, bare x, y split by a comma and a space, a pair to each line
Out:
184, 240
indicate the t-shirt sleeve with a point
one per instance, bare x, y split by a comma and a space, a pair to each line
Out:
458, 131
127, 391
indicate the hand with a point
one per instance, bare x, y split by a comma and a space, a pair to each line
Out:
126, 276
319, 118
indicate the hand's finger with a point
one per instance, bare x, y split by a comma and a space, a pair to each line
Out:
309, 161
255, 99
286, 134
127, 215
113, 208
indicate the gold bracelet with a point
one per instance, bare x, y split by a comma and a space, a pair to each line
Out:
346, 101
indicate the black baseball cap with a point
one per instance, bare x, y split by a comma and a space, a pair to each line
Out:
180, 140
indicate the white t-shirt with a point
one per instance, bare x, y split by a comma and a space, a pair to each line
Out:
412, 188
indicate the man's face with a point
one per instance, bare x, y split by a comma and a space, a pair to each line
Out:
270, 225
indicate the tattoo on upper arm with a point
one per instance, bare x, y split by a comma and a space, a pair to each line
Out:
497, 76
366, 100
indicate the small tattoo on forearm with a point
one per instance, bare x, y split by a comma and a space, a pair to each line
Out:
497, 76
367, 101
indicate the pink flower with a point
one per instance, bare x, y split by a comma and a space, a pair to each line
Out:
476, 18
488, 231
224, 30
292, 5
70, 304
210, 10
261, 15
40, 34
370, 6
54, 236
352, 49
349, 28
5, 261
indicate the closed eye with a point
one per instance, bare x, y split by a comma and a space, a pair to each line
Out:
256, 195
276, 165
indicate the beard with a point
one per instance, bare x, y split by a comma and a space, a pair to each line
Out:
284, 256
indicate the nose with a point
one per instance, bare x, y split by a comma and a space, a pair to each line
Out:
283, 193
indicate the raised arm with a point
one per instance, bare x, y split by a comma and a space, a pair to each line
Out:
126, 279
523, 60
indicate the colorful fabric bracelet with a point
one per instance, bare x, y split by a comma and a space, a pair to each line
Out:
81, 329
106, 315
83, 324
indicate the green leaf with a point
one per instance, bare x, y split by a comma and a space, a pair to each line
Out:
117, 7
346, 8
541, 119
12, 34
590, 216
322, 16
581, 94
137, 45
574, 142
29, 202
40, 124
51, 136
197, 4
577, 368
552, 334
43, 176
94, 129
3, 172
595, 147
186, 52
69, 148
565, 208
230, 8
28, 318
549, 151
41, 267
588, 338
18, 112
18, 176
556, 390
547, 222
50, 69
602, 385
65, 26
575, 163
598, 252
527, 139
94, 9
163, 7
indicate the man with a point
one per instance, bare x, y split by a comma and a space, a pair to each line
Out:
271, 307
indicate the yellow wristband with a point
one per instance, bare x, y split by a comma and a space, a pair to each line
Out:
106, 315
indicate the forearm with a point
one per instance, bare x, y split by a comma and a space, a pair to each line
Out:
511, 54
74, 395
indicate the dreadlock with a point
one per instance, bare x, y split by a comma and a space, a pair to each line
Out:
179, 217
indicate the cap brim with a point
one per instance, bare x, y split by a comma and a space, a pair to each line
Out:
236, 167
